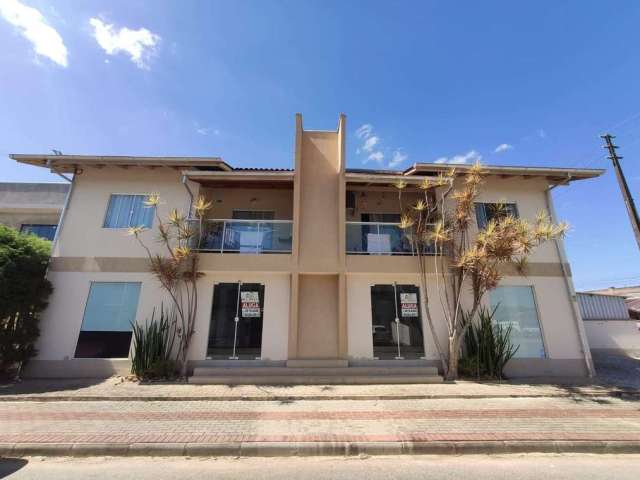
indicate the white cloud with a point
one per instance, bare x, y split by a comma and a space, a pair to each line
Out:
471, 156
369, 143
206, 130
33, 26
376, 157
503, 147
542, 133
139, 44
364, 131
397, 159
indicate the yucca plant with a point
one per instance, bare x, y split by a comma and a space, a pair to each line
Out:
153, 346
439, 225
487, 346
177, 270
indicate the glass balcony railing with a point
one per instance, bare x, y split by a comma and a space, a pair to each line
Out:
244, 236
369, 238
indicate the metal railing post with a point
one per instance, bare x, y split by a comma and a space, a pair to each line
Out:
224, 233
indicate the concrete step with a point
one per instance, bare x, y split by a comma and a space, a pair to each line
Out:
211, 363
318, 362
314, 371
314, 379
370, 362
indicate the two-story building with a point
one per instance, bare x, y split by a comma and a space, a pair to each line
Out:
311, 260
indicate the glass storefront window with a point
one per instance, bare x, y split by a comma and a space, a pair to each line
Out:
247, 305
401, 340
106, 325
516, 306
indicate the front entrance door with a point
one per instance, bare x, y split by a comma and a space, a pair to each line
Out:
402, 339
244, 301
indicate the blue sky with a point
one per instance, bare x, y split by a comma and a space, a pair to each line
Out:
430, 80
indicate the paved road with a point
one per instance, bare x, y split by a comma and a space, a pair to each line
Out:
618, 369
534, 467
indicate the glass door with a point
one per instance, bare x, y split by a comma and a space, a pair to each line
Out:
396, 322
236, 321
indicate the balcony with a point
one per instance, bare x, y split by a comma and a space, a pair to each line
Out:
244, 236
379, 238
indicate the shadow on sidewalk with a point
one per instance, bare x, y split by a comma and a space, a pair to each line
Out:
9, 466
49, 385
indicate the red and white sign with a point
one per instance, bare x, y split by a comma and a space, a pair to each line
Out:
408, 305
250, 302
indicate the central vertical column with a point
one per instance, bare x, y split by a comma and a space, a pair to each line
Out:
317, 327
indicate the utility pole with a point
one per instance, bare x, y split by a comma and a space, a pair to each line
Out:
626, 195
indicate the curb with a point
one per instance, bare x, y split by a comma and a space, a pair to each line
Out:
308, 449
288, 398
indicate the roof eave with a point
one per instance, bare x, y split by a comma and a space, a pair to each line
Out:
558, 175
69, 163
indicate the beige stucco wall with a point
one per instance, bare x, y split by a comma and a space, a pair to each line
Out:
319, 202
378, 200
226, 200
321, 315
276, 312
613, 334
61, 321
554, 312
318, 316
558, 326
82, 235
359, 313
529, 196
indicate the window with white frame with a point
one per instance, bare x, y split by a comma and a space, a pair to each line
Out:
126, 211
516, 307
485, 212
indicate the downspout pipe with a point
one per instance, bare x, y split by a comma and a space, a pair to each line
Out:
185, 181
577, 317
65, 207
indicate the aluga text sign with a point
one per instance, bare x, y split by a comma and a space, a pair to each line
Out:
408, 305
250, 304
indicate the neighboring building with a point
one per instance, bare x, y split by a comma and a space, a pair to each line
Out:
32, 207
630, 294
607, 319
311, 260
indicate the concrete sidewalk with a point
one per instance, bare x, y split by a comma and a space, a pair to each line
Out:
319, 427
118, 388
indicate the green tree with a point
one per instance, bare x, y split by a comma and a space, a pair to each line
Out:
24, 292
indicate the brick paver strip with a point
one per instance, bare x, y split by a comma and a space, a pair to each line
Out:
28, 416
253, 427
407, 437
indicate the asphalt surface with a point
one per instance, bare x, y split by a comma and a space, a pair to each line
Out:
521, 467
617, 369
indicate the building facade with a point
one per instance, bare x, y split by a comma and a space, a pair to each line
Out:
33, 207
607, 321
310, 260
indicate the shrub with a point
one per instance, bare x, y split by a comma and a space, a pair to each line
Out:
487, 347
153, 345
24, 292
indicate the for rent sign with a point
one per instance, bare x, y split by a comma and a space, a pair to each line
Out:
408, 305
250, 304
